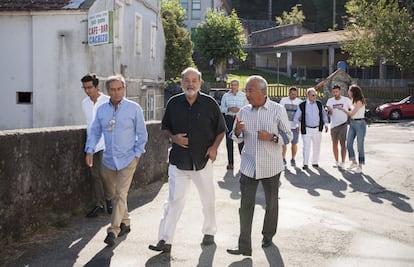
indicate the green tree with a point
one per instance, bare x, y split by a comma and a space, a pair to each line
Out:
379, 31
295, 16
221, 38
179, 47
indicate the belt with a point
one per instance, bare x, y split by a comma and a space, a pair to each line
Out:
360, 119
312, 127
340, 125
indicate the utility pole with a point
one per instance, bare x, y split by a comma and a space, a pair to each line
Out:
333, 14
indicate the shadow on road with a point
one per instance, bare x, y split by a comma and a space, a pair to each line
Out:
160, 260
377, 193
313, 179
273, 256
66, 245
102, 259
231, 183
207, 255
247, 262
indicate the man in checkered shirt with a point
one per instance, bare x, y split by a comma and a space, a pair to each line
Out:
259, 125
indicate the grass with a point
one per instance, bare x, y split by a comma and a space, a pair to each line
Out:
243, 74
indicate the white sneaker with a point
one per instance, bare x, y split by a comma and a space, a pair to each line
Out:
358, 169
342, 165
337, 164
352, 166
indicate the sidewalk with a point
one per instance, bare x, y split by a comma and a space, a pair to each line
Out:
326, 217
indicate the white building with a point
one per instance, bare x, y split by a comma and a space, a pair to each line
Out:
45, 51
196, 10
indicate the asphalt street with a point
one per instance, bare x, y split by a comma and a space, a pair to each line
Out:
327, 217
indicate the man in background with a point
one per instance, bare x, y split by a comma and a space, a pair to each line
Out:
313, 118
291, 104
94, 99
339, 123
231, 102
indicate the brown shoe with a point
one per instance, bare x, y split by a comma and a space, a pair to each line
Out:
230, 167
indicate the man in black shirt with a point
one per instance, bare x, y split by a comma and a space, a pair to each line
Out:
195, 126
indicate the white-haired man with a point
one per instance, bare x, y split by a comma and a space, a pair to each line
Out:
313, 119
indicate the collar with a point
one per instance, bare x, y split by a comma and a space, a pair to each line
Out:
265, 105
119, 104
184, 98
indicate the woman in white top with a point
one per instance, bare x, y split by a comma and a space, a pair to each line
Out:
357, 127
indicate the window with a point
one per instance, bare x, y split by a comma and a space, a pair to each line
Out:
24, 97
195, 9
153, 41
138, 34
151, 105
184, 4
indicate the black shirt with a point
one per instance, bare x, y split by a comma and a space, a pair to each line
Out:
202, 122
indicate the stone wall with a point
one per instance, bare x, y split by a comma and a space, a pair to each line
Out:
44, 178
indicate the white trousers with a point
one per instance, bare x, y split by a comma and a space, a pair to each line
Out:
313, 137
179, 182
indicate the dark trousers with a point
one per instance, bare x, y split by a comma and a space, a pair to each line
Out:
248, 189
229, 142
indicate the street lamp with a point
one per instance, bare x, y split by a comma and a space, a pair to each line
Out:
278, 54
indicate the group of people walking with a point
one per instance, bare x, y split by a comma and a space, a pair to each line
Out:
194, 124
310, 118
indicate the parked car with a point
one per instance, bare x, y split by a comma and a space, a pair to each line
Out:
397, 110
217, 93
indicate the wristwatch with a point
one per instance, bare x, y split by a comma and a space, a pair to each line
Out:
275, 138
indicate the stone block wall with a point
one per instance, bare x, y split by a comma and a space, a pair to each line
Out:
43, 175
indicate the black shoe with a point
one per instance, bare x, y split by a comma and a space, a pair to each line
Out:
110, 239
125, 229
230, 167
239, 252
94, 212
208, 240
161, 246
315, 165
266, 242
109, 206
305, 167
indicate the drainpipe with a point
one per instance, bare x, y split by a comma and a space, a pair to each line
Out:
270, 10
113, 43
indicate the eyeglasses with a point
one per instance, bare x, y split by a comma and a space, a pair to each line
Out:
312, 95
111, 125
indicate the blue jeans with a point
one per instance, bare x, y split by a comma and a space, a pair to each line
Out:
358, 129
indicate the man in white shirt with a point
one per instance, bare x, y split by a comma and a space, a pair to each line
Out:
94, 99
230, 104
291, 104
339, 121
259, 125
313, 118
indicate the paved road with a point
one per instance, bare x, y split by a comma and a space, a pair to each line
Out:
327, 218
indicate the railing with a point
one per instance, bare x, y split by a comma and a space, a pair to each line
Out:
387, 93
369, 92
282, 91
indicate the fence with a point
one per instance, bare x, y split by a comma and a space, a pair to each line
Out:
369, 92
388, 93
